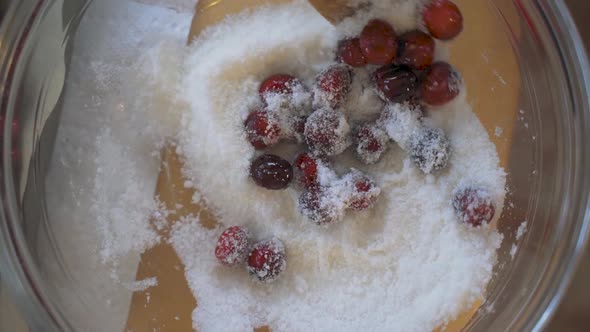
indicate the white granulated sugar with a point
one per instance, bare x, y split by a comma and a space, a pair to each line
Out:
141, 285
117, 107
406, 265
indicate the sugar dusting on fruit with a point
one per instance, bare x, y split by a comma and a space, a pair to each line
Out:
391, 251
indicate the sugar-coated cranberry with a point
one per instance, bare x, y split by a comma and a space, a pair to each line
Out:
474, 206
262, 129
233, 246
349, 52
416, 50
396, 84
364, 191
429, 149
271, 172
307, 170
378, 42
443, 19
441, 84
318, 208
371, 143
327, 132
278, 83
267, 260
332, 87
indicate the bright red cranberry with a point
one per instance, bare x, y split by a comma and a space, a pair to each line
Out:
474, 206
307, 170
349, 52
332, 86
443, 19
233, 245
396, 84
327, 132
364, 192
441, 84
267, 260
371, 143
378, 42
416, 50
271, 172
262, 129
279, 83
318, 209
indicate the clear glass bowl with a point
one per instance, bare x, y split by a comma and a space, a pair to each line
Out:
526, 72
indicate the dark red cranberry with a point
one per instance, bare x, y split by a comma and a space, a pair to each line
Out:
262, 129
349, 52
416, 50
327, 132
332, 86
396, 84
474, 206
371, 143
364, 192
233, 246
267, 260
318, 209
279, 83
271, 172
443, 19
441, 84
378, 42
429, 149
307, 170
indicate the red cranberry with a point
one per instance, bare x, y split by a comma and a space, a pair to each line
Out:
233, 245
279, 83
443, 19
429, 149
307, 170
327, 132
378, 42
271, 172
474, 206
364, 192
416, 50
396, 84
332, 86
441, 84
371, 143
262, 129
349, 52
267, 260
318, 209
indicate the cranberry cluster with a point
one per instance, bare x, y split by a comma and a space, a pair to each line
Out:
265, 260
406, 79
407, 76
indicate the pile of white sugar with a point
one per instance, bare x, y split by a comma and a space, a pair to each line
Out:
406, 264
